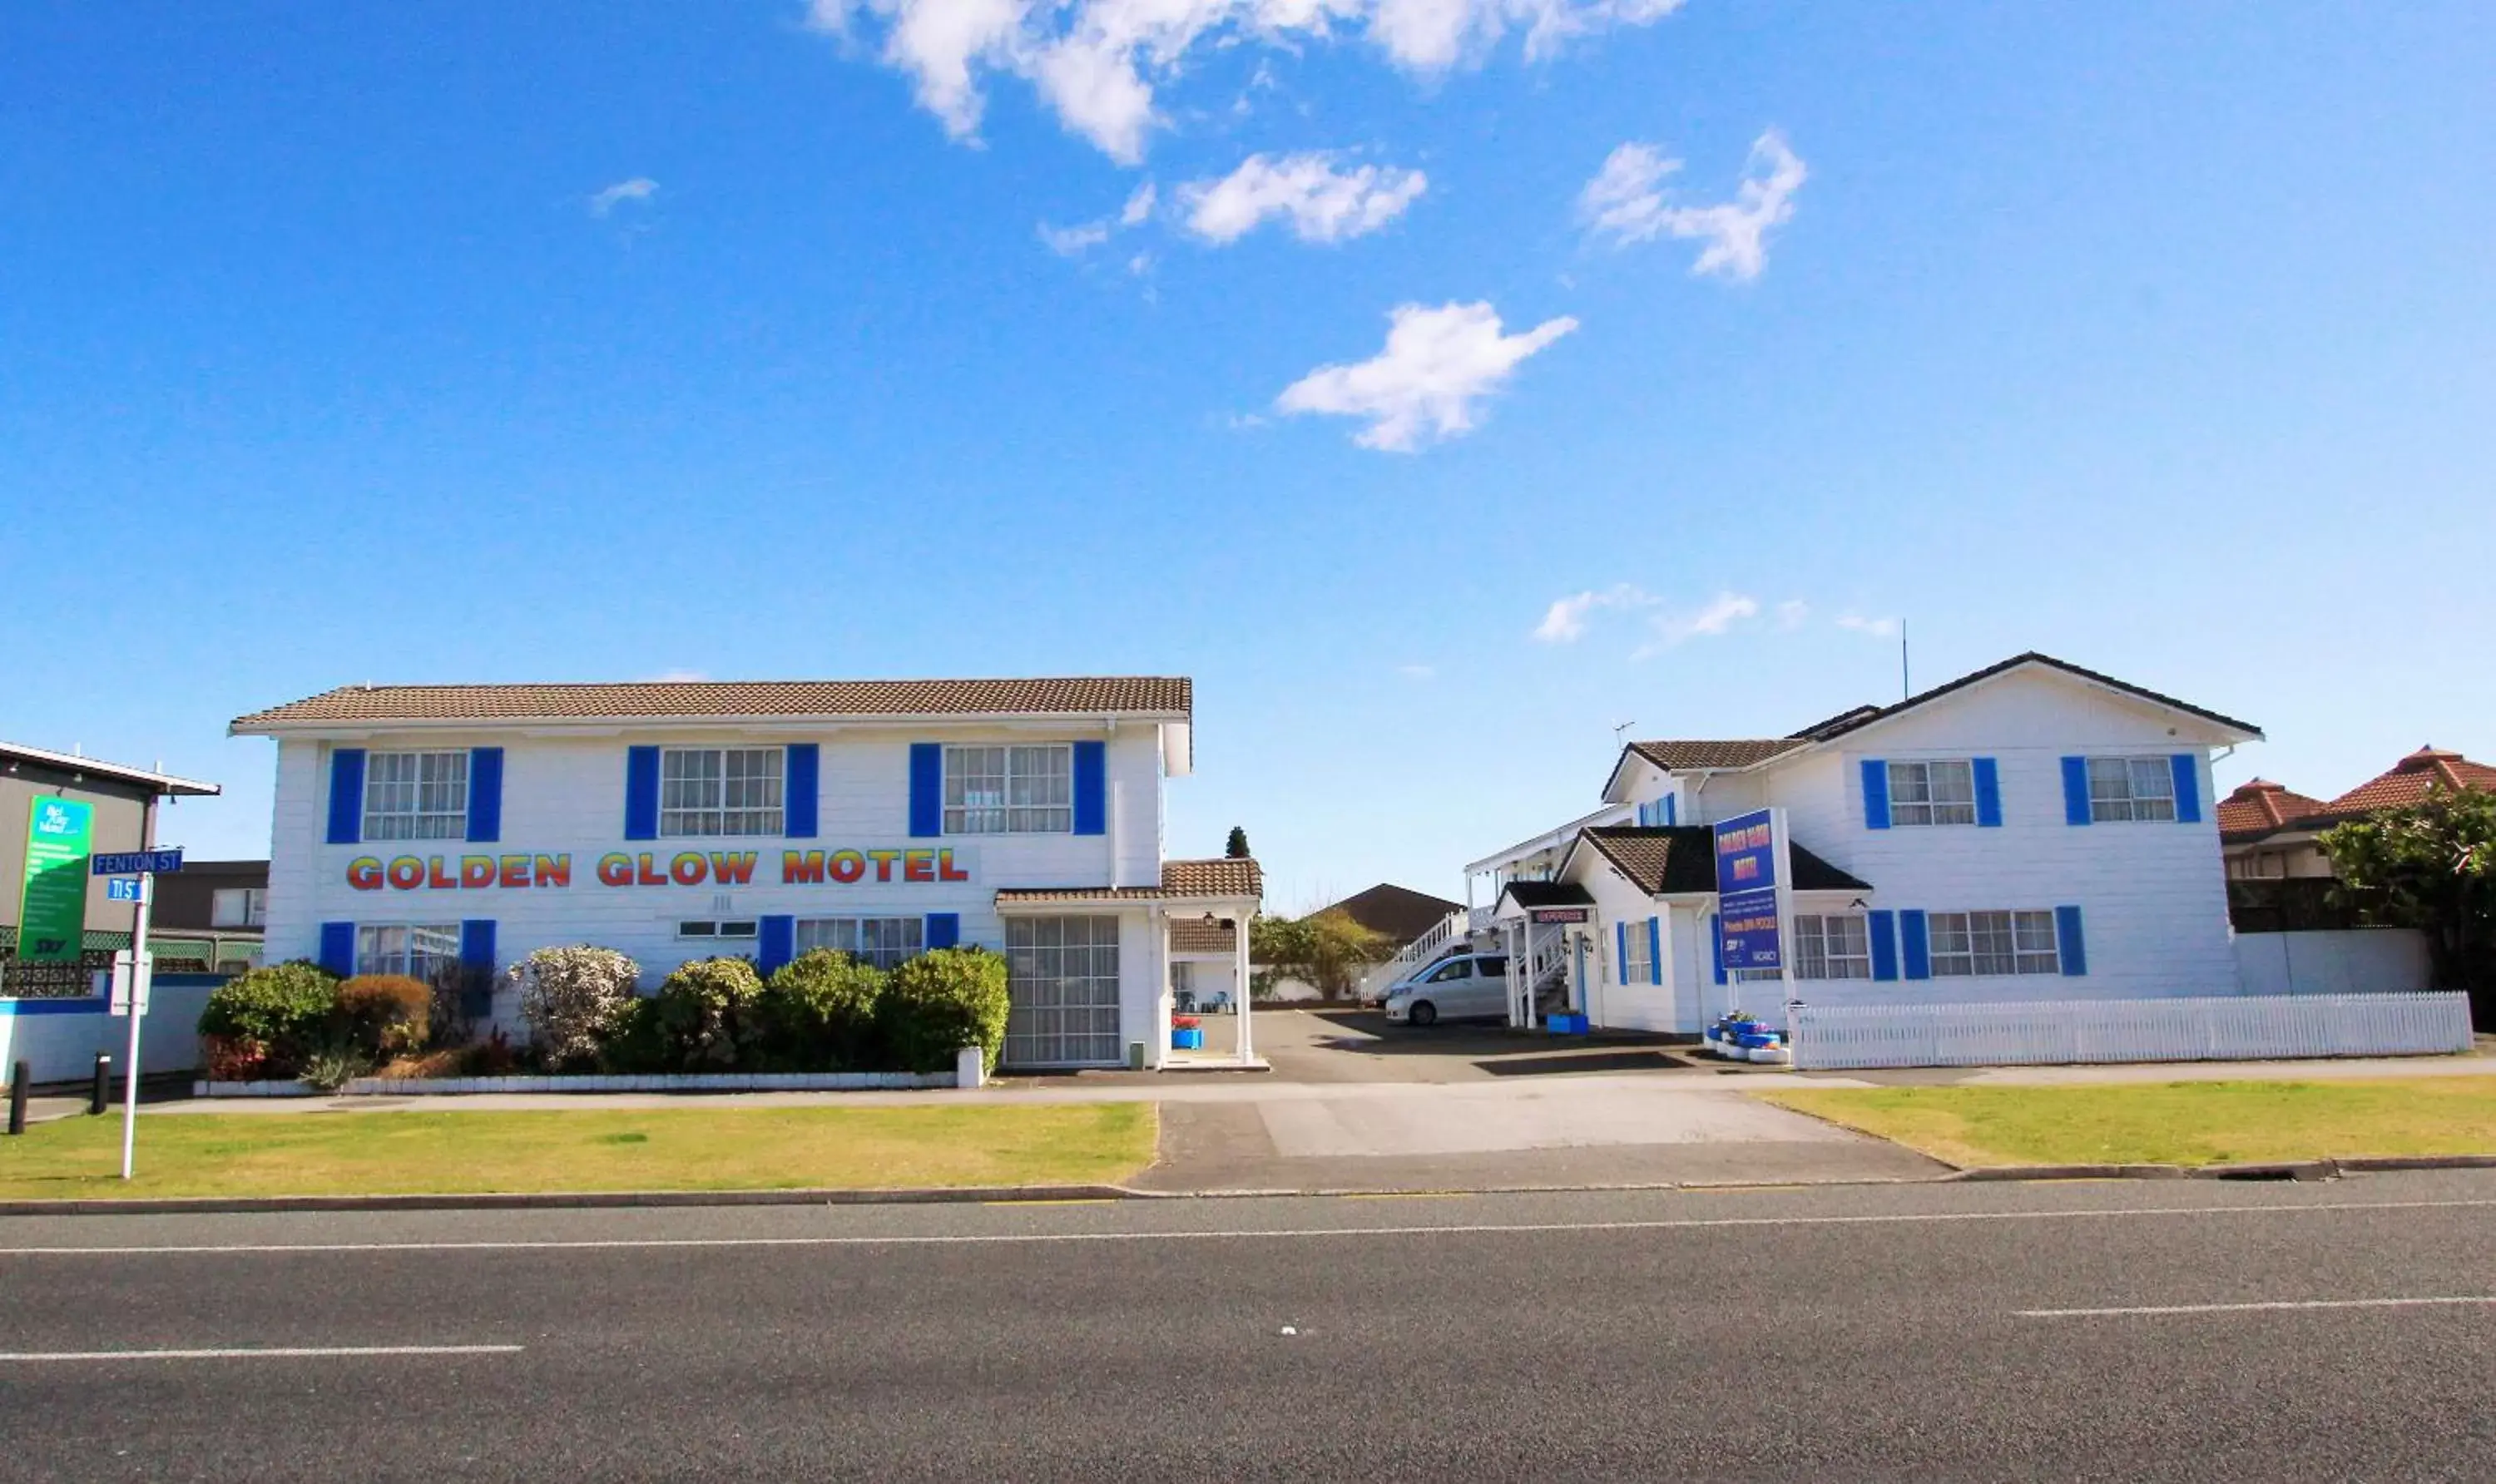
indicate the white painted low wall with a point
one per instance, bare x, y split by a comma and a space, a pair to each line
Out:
60, 1038
2355, 961
2240, 1028
662, 1082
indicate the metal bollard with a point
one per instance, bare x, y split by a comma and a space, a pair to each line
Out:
20, 1079
99, 1095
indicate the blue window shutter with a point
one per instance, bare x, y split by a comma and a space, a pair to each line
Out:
800, 780
943, 930
1643, 814
1654, 950
477, 956
1716, 944
775, 943
485, 794
1621, 952
1883, 929
2067, 936
1915, 944
1672, 809
338, 948
1091, 788
1988, 792
1876, 794
927, 789
346, 795
642, 793
2076, 791
2188, 787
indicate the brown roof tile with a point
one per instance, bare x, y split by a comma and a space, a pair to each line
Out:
2260, 807
1682, 858
669, 700
1195, 934
1673, 756
2410, 780
1225, 876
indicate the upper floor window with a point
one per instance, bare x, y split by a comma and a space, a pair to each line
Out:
1967, 944
1009, 791
239, 906
2131, 788
415, 795
1835, 947
713, 790
1933, 791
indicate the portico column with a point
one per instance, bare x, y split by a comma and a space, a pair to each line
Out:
1247, 996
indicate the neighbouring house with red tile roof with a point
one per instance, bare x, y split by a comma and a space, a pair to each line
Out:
2268, 832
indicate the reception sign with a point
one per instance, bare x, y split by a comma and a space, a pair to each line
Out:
1747, 920
52, 901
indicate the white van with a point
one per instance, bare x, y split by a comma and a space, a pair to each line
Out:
1466, 987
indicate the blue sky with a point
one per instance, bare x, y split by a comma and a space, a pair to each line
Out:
574, 341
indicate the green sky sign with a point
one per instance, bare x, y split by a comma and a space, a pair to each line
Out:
52, 908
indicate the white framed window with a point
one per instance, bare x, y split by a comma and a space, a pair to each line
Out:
1939, 790
719, 930
1635, 966
2131, 788
420, 951
415, 795
1973, 944
1838, 945
715, 790
1009, 791
881, 942
1062, 974
239, 906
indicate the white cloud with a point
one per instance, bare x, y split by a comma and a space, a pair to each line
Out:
1095, 63
1627, 203
1792, 613
1417, 672
1564, 621
1322, 203
1877, 627
1438, 364
1140, 206
1717, 618
1076, 241
639, 188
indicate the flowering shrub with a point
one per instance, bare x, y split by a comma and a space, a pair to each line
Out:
705, 1009
1186, 1023
235, 1058
574, 1000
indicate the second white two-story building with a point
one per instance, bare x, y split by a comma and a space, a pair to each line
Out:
2031, 831
423, 829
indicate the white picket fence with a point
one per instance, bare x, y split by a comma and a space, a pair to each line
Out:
2239, 1027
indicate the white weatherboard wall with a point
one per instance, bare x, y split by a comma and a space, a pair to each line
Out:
2240, 1026
564, 794
2358, 961
58, 1038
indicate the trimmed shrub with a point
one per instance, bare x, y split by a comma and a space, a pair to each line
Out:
706, 1010
636, 1044
571, 999
818, 1015
284, 1008
940, 1001
384, 1014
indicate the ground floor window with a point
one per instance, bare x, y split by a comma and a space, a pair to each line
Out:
1970, 944
418, 950
730, 930
1062, 976
1635, 966
883, 942
1835, 947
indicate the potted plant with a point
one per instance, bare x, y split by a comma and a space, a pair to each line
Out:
1187, 1033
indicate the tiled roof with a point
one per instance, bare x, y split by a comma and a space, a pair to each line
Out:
1132, 694
1531, 894
2410, 780
1659, 860
1398, 911
2260, 807
1181, 880
1195, 934
1677, 756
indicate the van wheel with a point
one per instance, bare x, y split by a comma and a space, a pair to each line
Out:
1422, 1013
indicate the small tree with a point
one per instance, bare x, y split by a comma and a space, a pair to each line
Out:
1328, 949
572, 999
2431, 866
1237, 847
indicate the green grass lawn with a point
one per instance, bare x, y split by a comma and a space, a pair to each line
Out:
2169, 1123
664, 1149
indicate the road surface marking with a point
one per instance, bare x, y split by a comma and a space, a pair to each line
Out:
2272, 1306
299, 1352
994, 1239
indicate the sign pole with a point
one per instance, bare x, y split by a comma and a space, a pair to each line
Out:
137, 967
1784, 919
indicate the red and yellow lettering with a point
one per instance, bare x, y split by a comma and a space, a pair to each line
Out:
515, 872
556, 869
947, 871
848, 866
475, 871
438, 876
919, 865
651, 875
801, 868
406, 873
613, 871
884, 860
732, 868
364, 873
688, 869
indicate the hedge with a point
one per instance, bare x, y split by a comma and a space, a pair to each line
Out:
941, 1001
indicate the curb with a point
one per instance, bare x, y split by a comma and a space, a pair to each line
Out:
2303, 1169
561, 1200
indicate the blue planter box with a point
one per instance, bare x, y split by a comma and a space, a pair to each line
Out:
1187, 1040
1566, 1025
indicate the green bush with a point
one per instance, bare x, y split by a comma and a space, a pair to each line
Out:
285, 1007
634, 1044
705, 1010
938, 1003
818, 1015
384, 1014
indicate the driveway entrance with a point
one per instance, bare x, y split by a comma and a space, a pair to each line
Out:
1348, 1045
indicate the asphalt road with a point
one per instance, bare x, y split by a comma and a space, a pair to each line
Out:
1835, 1334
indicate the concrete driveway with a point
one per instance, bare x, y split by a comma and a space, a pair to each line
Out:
1349, 1045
